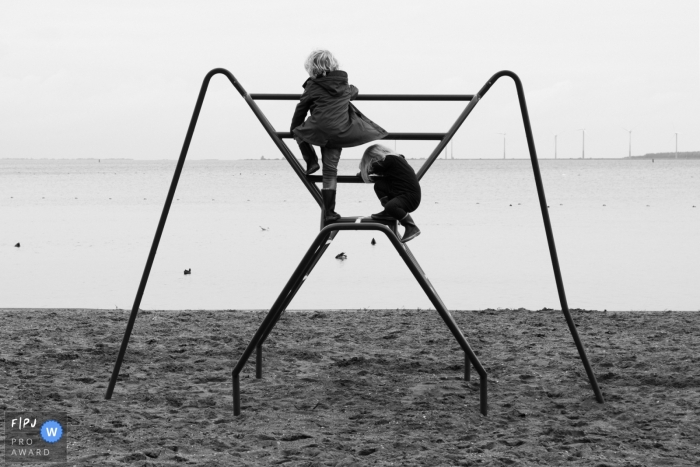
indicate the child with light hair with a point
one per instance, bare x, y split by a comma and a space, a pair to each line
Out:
395, 184
334, 122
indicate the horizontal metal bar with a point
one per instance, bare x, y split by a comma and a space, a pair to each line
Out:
366, 220
390, 136
341, 179
374, 97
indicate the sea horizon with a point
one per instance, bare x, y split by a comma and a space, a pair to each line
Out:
86, 228
641, 157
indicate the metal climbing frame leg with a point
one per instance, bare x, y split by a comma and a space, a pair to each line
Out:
272, 316
299, 281
467, 366
548, 229
469, 355
159, 231
312, 256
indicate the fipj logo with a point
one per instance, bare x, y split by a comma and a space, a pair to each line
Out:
33, 437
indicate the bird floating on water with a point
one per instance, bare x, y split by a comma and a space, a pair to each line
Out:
188, 271
341, 256
17, 246
374, 242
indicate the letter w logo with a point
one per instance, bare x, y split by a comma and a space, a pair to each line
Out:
52, 431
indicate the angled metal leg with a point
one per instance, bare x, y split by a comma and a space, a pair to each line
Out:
272, 316
447, 318
159, 233
550, 234
467, 368
415, 261
467, 365
543, 205
290, 295
300, 281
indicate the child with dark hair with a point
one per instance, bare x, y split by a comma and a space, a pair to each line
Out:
334, 122
395, 184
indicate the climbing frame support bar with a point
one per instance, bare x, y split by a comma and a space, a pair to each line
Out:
543, 205
161, 226
272, 314
550, 233
236, 394
298, 282
312, 256
391, 136
373, 97
548, 227
467, 365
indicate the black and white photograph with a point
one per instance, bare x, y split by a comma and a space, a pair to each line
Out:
319, 233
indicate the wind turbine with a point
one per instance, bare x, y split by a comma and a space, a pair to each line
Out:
630, 132
676, 143
504, 144
583, 143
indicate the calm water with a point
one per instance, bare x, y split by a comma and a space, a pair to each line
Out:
626, 233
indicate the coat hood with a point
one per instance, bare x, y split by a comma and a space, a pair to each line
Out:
335, 82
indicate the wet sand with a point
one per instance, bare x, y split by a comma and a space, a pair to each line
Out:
361, 388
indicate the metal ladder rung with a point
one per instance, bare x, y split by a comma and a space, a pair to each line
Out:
390, 136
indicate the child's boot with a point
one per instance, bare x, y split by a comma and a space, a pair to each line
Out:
329, 206
412, 230
310, 157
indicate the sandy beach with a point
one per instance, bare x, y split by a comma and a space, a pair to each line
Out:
369, 387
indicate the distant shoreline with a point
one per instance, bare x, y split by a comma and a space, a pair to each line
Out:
662, 156
668, 155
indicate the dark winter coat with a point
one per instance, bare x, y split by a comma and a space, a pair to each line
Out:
334, 121
398, 179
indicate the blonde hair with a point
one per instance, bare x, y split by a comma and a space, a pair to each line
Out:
376, 152
319, 62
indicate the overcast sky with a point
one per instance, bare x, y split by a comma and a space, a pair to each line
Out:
101, 79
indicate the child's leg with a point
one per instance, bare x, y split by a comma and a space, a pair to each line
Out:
382, 188
395, 208
330, 158
309, 155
